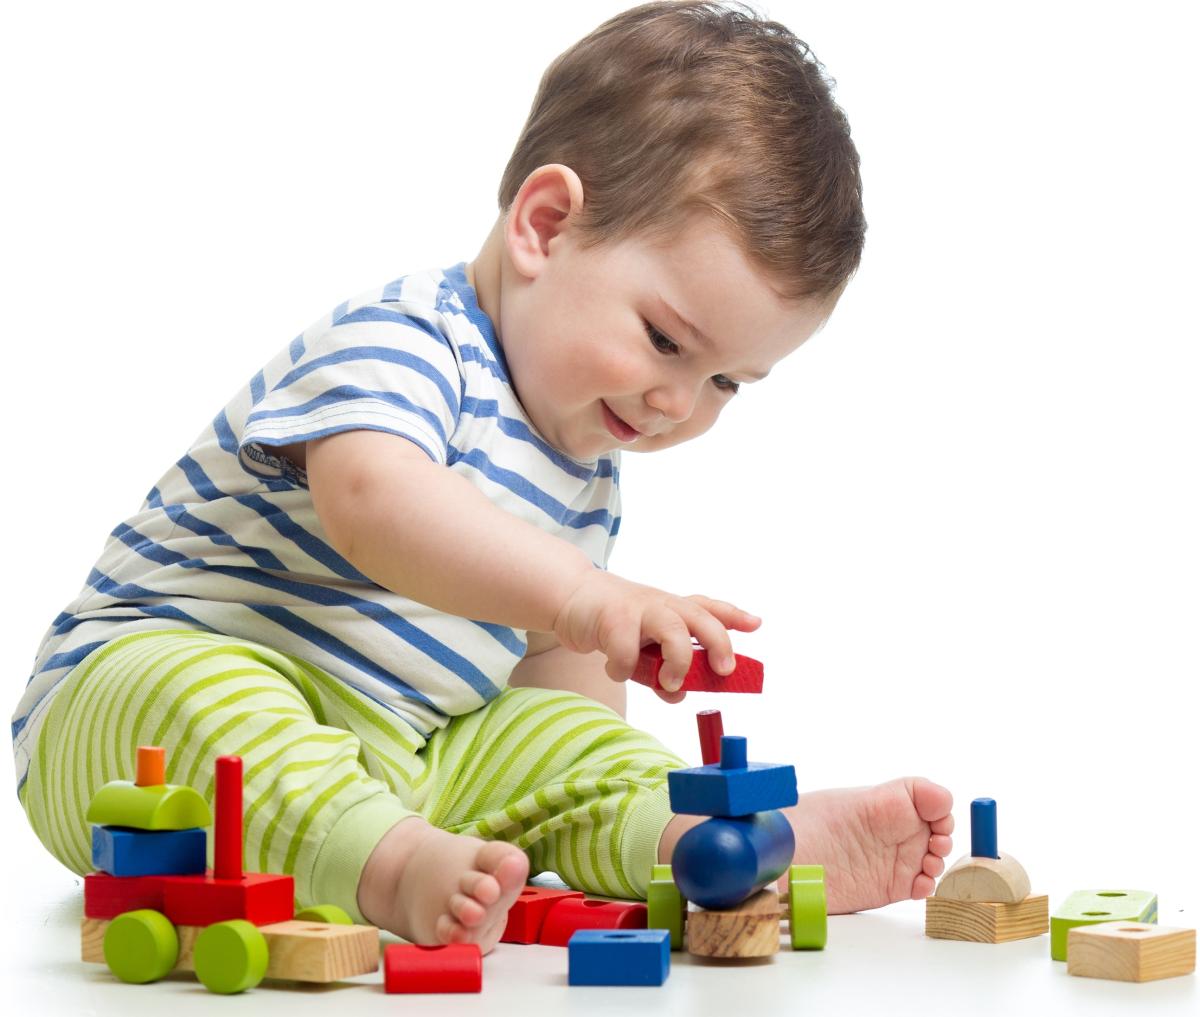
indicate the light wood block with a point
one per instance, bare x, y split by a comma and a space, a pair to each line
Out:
1130, 951
749, 930
298, 951
986, 922
991, 880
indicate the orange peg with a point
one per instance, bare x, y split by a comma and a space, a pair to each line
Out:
151, 765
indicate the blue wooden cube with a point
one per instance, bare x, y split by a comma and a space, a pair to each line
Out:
123, 851
715, 790
618, 957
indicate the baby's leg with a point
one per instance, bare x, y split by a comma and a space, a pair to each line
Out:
326, 778
878, 844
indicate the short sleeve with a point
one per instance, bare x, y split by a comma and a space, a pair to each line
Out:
375, 368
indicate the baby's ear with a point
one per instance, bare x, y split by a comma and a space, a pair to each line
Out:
549, 201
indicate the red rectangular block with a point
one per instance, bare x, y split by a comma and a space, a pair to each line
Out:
106, 896
566, 917
529, 911
746, 676
455, 967
259, 897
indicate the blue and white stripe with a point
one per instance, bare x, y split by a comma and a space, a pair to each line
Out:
228, 541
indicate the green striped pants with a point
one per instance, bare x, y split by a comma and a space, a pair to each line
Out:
328, 771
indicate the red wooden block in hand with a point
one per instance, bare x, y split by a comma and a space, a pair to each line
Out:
456, 967
529, 911
747, 674
568, 916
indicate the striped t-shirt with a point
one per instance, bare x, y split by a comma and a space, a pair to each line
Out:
228, 540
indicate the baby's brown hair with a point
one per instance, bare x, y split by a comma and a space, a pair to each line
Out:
676, 107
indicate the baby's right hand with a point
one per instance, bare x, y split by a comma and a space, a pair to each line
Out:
619, 617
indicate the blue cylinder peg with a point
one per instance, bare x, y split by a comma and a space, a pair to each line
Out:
733, 752
725, 860
983, 828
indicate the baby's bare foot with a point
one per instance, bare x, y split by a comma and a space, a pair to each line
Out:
429, 886
878, 844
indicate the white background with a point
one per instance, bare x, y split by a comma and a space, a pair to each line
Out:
967, 510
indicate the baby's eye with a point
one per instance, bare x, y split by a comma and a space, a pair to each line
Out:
725, 384
660, 341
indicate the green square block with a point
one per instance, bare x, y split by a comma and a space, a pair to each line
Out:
1093, 907
665, 905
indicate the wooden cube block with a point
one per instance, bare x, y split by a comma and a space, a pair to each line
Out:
1130, 951
985, 922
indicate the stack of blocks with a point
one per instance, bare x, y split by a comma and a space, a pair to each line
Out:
153, 907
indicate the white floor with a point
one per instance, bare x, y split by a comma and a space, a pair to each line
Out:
878, 962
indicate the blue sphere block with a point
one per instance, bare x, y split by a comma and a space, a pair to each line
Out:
721, 862
123, 851
717, 790
983, 828
618, 957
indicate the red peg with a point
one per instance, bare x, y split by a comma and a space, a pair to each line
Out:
227, 833
711, 730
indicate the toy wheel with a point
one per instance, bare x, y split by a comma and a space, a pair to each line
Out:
665, 906
330, 914
140, 946
230, 956
806, 907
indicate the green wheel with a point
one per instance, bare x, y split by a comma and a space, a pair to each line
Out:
140, 946
806, 907
330, 914
665, 906
230, 956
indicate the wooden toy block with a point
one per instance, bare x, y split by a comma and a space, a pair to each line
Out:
733, 787
298, 951
457, 967
158, 807
665, 906
808, 917
711, 729
985, 921
106, 896
619, 957
260, 898
1093, 907
151, 766
570, 914
1130, 951
994, 880
746, 676
722, 861
123, 852
528, 913
749, 930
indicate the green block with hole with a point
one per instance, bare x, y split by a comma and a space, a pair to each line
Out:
665, 905
1092, 907
153, 807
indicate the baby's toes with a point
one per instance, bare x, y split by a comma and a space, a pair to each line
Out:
932, 866
448, 930
932, 801
940, 846
480, 885
467, 910
922, 886
508, 865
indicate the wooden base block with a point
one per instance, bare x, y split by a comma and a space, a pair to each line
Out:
298, 951
749, 930
983, 922
1130, 951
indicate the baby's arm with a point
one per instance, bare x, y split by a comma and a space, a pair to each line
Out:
419, 529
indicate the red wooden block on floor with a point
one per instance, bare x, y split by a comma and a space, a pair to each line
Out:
456, 967
568, 916
529, 911
261, 898
747, 674
106, 896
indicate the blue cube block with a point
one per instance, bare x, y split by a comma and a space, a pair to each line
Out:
123, 851
737, 791
618, 957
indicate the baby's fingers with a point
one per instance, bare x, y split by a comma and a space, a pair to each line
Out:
676, 641
729, 615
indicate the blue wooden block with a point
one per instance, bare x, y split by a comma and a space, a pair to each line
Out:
983, 828
123, 851
717, 790
722, 861
618, 957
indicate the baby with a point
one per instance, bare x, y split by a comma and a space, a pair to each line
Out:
379, 575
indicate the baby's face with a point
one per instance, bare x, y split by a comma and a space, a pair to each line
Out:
640, 347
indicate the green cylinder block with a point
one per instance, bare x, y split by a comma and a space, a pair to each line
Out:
155, 807
806, 907
230, 957
140, 946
